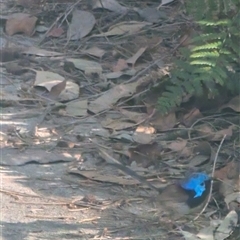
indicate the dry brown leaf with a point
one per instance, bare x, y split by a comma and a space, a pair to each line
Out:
86, 65
233, 198
70, 92
57, 89
116, 124
177, 145
121, 65
198, 160
218, 136
77, 108
227, 226
207, 233
121, 28
229, 176
67, 90
112, 96
94, 51
47, 79
81, 25
134, 116
207, 132
186, 152
230, 171
164, 122
21, 23
181, 147
55, 32
132, 60
191, 117
234, 104
111, 5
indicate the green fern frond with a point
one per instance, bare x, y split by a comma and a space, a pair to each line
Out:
214, 45
215, 59
210, 37
203, 62
203, 54
221, 23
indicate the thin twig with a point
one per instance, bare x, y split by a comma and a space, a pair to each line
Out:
115, 163
212, 176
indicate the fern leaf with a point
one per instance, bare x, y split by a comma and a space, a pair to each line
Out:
215, 45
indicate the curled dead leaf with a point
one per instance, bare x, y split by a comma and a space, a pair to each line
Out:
57, 89
55, 32
180, 146
229, 181
234, 104
132, 60
227, 226
207, 132
191, 117
177, 145
21, 23
220, 134
163, 122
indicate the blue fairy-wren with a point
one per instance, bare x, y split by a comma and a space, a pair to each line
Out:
180, 198
186, 196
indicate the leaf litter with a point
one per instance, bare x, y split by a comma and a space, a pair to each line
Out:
110, 47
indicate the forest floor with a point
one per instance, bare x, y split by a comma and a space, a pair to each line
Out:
78, 91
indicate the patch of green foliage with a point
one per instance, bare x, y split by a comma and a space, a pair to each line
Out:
214, 61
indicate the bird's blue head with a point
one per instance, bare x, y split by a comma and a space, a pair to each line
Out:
196, 183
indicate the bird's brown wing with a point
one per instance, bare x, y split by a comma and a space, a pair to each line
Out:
173, 201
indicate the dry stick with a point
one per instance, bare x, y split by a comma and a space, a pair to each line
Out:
211, 186
50, 217
114, 162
